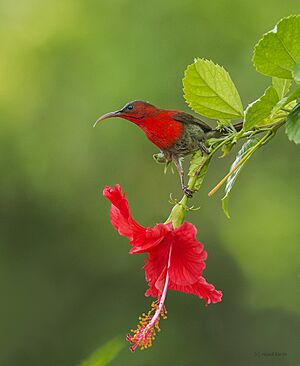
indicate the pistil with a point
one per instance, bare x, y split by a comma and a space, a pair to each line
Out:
148, 326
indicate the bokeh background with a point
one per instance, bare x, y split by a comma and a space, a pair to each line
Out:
67, 282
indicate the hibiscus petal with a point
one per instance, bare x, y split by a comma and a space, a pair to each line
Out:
187, 260
150, 238
188, 256
202, 289
143, 239
155, 266
120, 214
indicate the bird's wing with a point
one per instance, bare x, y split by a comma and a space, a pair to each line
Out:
189, 119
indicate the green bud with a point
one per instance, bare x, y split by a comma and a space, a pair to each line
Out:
178, 212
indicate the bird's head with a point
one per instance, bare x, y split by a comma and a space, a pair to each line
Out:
135, 111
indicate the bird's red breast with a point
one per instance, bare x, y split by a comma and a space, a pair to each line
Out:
161, 129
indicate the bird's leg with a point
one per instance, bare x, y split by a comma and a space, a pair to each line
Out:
178, 164
203, 147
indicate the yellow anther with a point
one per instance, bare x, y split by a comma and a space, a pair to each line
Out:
146, 331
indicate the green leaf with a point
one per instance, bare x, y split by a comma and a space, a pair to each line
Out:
295, 94
282, 86
296, 73
288, 101
197, 161
231, 180
278, 52
105, 354
209, 90
293, 125
258, 112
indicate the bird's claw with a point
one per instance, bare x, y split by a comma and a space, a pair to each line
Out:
188, 192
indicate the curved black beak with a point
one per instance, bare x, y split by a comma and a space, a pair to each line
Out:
107, 115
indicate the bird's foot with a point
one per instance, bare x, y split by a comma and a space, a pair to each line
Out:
203, 147
188, 192
160, 158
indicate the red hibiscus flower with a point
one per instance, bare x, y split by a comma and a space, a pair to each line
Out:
175, 262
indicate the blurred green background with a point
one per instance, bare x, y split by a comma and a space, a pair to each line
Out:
67, 282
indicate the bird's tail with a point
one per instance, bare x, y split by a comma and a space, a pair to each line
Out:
238, 126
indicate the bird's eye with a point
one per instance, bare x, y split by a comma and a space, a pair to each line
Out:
129, 107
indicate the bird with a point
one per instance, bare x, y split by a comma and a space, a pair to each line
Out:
176, 133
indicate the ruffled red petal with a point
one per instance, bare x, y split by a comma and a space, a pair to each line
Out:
143, 239
187, 259
155, 268
202, 289
188, 256
120, 214
148, 240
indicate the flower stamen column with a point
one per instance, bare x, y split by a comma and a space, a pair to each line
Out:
146, 331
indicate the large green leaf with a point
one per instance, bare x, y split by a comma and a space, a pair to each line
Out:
293, 125
278, 52
258, 112
232, 178
105, 354
209, 90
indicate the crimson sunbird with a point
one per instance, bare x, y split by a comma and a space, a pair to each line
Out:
175, 133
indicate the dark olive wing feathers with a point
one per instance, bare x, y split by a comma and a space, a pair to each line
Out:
189, 119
